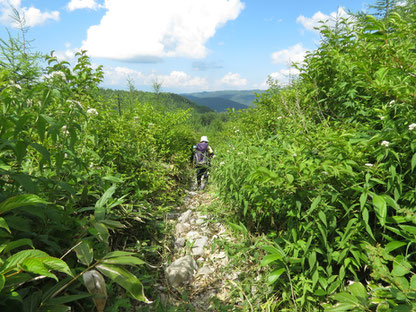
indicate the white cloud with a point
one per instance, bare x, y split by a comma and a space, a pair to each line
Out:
294, 54
150, 30
320, 18
32, 15
234, 80
283, 77
83, 4
117, 76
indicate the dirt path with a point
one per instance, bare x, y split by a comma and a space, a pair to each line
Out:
197, 275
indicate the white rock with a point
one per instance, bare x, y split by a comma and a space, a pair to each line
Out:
199, 221
198, 246
180, 242
182, 228
185, 216
205, 270
192, 235
181, 271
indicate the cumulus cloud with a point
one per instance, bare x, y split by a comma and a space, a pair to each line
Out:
319, 18
32, 15
283, 77
234, 79
149, 30
116, 76
294, 54
83, 4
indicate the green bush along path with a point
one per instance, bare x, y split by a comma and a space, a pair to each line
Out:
311, 205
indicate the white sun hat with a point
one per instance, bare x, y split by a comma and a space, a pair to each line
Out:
204, 139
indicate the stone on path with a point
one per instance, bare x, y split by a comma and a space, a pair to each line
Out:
198, 246
181, 271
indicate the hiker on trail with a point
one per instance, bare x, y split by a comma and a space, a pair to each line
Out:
202, 159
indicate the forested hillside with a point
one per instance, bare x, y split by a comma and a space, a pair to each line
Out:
316, 184
161, 100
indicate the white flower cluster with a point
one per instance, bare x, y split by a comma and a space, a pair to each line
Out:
369, 165
412, 126
59, 74
280, 117
65, 130
92, 111
15, 85
385, 143
294, 155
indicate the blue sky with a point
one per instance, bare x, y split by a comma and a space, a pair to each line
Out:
187, 45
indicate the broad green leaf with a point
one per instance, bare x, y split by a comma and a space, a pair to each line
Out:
345, 297
43, 265
2, 281
380, 208
125, 279
363, 199
413, 282
18, 243
119, 253
129, 260
322, 216
340, 307
367, 226
12, 262
358, 290
84, 253
413, 161
20, 201
113, 224
314, 204
35, 265
290, 178
54, 308
3, 225
102, 230
106, 196
394, 245
270, 258
312, 259
400, 266
66, 299
273, 276
43, 151
409, 228
271, 249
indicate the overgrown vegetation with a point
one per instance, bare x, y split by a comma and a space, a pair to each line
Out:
325, 168
82, 186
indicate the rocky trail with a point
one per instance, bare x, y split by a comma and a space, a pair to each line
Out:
198, 276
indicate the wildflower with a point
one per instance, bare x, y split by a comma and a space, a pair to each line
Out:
236, 131
382, 117
369, 165
385, 143
92, 111
280, 117
15, 85
324, 172
240, 153
294, 155
222, 163
65, 130
136, 118
392, 102
151, 124
412, 126
91, 165
59, 74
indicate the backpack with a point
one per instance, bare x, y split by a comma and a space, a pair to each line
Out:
201, 154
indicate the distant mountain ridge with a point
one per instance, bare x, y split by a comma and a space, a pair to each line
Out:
220, 101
